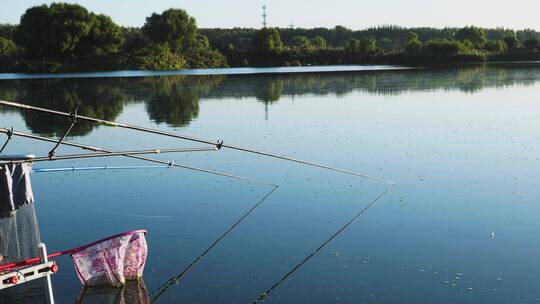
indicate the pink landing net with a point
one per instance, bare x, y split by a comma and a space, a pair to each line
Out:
112, 261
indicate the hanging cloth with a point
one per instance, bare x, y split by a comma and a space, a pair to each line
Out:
15, 187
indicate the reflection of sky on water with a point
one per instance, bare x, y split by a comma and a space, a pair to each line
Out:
461, 144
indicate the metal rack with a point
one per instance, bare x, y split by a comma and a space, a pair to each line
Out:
23, 275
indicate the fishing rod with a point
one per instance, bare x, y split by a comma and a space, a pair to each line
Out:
96, 168
266, 294
220, 144
106, 154
158, 161
171, 281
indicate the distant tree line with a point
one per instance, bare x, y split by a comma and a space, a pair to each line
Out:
68, 37
388, 44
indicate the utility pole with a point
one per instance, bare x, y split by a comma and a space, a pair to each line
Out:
264, 15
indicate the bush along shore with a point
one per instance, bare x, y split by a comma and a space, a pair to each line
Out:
64, 37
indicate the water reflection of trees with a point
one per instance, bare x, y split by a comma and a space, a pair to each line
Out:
270, 88
90, 98
174, 100
171, 100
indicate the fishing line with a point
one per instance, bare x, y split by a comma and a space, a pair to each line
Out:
265, 294
65, 202
174, 280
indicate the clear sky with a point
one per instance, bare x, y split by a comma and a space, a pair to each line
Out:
355, 14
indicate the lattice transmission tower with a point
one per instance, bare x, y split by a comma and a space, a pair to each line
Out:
264, 15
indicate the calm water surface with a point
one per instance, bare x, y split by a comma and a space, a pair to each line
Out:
462, 145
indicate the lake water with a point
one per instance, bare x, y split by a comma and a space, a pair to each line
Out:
462, 145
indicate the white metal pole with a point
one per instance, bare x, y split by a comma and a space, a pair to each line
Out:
43, 256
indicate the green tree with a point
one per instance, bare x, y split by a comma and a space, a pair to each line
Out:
413, 45
7, 30
53, 31
366, 46
442, 47
134, 40
511, 40
474, 34
66, 31
387, 44
200, 55
105, 37
353, 46
157, 56
496, 46
301, 42
531, 43
7, 47
369, 45
268, 39
319, 42
411, 36
174, 27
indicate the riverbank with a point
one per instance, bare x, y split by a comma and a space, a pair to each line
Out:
279, 63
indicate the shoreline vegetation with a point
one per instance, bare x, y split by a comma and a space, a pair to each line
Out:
64, 37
